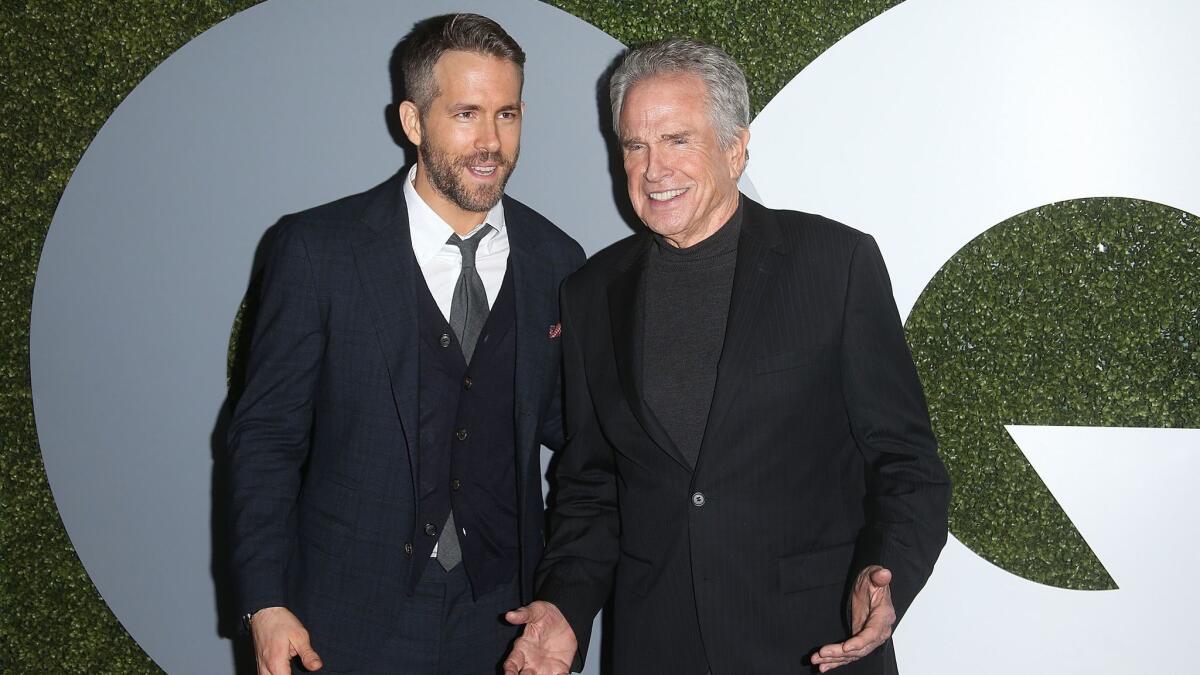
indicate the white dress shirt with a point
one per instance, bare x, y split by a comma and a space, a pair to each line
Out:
441, 263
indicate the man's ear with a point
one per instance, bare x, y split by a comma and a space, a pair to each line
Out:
737, 153
410, 120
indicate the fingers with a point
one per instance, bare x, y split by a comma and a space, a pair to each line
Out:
273, 658
515, 661
518, 664
826, 667
831, 656
279, 636
274, 664
876, 631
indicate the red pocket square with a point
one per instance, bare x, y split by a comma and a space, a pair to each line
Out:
555, 330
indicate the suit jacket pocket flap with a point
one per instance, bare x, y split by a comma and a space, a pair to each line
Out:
814, 569
781, 361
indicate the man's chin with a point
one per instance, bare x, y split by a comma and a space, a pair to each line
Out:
484, 198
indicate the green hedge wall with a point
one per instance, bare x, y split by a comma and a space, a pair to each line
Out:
66, 66
1079, 313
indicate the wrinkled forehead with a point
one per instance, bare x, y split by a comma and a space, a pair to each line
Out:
678, 100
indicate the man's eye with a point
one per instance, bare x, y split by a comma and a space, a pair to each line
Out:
465, 115
509, 115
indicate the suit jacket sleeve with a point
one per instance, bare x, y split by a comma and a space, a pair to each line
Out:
576, 573
908, 490
269, 432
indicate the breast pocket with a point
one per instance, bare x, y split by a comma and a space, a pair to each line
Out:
773, 363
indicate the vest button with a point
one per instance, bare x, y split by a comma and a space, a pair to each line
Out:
456, 485
445, 340
698, 499
461, 434
431, 529
408, 549
467, 383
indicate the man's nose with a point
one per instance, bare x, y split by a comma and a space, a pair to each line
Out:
656, 166
488, 138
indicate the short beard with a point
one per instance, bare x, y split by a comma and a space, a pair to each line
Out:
444, 176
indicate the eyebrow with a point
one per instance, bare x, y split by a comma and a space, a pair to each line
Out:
472, 107
674, 136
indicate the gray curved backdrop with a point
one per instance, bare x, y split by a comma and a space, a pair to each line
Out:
277, 109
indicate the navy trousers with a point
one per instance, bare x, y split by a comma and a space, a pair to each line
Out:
445, 631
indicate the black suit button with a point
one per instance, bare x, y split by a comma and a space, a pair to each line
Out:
456, 485
467, 383
431, 529
408, 549
698, 499
461, 434
445, 340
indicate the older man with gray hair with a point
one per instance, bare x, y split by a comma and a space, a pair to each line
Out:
750, 468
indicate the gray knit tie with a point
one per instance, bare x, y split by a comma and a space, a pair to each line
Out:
468, 312
469, 308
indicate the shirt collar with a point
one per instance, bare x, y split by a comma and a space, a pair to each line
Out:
427, 229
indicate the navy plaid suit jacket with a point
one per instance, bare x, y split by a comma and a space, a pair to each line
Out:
323, 439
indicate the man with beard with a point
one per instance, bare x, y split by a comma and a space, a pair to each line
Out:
751, 470
403, 373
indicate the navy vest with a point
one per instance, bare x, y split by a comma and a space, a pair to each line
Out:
467, 447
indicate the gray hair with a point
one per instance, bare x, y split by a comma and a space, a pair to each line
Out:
728, 99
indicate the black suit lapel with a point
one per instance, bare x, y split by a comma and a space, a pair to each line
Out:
758, 259
388, 272
625, 312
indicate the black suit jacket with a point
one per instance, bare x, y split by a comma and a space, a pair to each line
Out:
817, 460
323, 440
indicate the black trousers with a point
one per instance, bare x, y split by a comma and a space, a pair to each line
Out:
445, 631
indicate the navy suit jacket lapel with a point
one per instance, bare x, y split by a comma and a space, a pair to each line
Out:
388, 272
534, 292
625, 312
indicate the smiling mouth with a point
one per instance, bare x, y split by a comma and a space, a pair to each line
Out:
483, 170
667, 195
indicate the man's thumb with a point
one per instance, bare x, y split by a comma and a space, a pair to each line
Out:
881, 576
307, 655
518, 616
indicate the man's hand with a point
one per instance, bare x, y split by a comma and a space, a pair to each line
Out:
546, 646
279, 636
871, 618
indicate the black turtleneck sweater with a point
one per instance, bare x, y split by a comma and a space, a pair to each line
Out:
685, 295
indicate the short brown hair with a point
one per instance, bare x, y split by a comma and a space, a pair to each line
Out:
433, 37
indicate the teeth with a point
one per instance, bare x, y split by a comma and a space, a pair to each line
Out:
485, 170
668, 194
